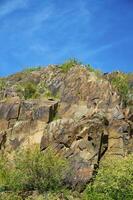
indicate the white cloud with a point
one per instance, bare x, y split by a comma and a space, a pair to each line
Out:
10, 6
108, 46
40, 17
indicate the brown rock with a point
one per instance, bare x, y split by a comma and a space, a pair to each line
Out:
3, 124
9, 110
81, 142
38, 110
2, 139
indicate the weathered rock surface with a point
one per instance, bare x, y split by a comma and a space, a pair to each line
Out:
83, 143
85, 124
24, 121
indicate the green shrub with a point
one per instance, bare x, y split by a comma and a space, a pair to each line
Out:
56, 117
28, 90
2, 84
44, 91
10, 196
4, 172
61, 195
37, 197
48, 94
35, 170
114, 180
41, 87
120, 82
57, 95
31, 69
69, 64
92, 69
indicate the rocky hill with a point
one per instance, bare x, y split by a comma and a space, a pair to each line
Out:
79, 112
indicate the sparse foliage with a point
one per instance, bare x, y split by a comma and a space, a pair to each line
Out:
120, 82
92, 69
31, 69
28, 90
10, 196
33, 170
4, 172
69, 64
114, 180
2, 84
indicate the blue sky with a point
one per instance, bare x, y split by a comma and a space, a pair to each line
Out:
42, 32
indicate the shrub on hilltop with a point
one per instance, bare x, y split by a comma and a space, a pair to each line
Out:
31, 69
69, 64
97, 72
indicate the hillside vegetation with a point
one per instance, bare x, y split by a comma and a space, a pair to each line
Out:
66, 133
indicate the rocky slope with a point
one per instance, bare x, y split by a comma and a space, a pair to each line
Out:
77, 112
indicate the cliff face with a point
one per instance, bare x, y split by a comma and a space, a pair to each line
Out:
76, 112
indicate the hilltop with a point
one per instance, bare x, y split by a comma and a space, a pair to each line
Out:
85, 116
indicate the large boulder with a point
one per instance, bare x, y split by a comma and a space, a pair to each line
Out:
24, 121
120, 135
43, 110
9, 110
82, 143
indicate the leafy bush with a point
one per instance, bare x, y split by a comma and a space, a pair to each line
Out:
69, 64
10, 196
2, 84
120, 82
31, 69
28, 90
49, 94
63, 194
114, 180
45, 91
4, 172
37, 197
35, 170
96, 71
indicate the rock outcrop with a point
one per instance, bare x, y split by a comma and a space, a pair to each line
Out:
77, 113
23, 121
